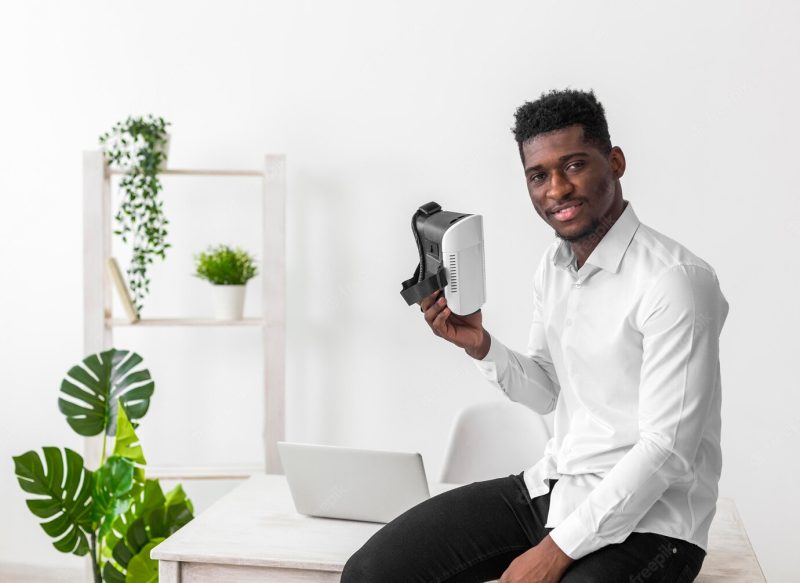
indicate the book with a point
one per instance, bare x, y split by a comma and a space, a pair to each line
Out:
122, 289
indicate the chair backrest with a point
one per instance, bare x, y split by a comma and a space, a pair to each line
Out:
492, 440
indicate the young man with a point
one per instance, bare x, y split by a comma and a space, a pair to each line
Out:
624, 347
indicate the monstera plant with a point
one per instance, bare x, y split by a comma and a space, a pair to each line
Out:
114, 512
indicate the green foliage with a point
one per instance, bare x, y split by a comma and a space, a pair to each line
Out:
114, 513
63, 494
144, 497
141, 567
126, 444
152, 527
138, 146
112, 483
92, 391
223, 265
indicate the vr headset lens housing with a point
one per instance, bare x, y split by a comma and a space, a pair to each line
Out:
451, 257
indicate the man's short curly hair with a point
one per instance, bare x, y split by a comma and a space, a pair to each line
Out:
559, 109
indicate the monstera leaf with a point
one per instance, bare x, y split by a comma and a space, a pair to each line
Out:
113, 482
63, 493
141, 568
93, 390
127, 445
144, 497
129, 556
143, 494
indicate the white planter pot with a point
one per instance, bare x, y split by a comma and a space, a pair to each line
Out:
228, 301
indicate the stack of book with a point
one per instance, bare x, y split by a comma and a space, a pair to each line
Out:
122, 289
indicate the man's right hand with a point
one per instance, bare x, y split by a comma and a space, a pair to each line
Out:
466, 332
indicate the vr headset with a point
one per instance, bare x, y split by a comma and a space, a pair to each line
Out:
450, 247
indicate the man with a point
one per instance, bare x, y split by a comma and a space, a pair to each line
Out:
624, 347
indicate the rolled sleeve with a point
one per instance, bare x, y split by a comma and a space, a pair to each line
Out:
680, 321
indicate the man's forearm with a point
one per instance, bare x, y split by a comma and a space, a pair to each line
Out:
520, 376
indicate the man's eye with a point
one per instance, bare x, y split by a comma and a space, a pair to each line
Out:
535, 177
579, 164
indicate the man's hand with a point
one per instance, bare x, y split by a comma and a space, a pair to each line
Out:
466, 332
544, 563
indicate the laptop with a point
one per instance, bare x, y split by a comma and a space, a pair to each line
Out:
350, 483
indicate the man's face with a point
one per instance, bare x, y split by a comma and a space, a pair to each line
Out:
562, 171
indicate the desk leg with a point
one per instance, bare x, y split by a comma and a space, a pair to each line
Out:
169, 572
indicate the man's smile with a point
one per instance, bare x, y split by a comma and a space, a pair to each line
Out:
566, 212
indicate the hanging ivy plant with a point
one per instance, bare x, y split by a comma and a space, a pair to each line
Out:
138, 146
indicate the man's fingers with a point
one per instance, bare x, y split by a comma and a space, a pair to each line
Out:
428, 301
440, 321
432, 312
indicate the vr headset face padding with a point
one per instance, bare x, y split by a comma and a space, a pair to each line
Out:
451, 257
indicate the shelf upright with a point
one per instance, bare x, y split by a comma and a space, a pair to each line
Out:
97, 310
274, 309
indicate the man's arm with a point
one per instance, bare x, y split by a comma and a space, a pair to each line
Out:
681, 320
528, 378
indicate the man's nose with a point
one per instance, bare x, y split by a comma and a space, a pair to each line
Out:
560, 186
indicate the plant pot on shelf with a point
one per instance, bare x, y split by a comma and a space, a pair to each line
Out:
228, 301
228, 269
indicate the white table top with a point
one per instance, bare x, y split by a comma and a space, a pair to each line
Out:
256, 524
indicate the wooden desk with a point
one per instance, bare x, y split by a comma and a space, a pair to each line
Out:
254, 534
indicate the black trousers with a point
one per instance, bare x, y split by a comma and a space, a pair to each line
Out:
472, 533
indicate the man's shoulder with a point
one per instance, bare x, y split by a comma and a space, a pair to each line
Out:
659, 252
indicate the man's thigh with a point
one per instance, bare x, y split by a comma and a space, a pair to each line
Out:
469, 533
643, 557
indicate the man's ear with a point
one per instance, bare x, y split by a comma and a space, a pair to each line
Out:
617, 160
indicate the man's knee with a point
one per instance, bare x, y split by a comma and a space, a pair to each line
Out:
364, 567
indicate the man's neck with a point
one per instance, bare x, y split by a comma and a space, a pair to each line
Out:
583, 247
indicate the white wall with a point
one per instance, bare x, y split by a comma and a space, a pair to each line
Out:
381, 106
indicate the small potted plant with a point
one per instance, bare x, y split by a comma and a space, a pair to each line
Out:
228, 269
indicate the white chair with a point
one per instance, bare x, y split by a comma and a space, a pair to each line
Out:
492, 440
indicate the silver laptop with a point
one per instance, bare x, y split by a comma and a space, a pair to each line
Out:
355, 484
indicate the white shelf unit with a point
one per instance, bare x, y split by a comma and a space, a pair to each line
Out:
99, 323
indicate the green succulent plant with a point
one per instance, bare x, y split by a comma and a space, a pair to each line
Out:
114, 512
224, 265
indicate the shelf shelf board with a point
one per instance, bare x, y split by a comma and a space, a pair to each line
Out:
195, 172
147, 322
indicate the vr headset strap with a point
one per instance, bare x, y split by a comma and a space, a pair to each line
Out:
413, 293
416, 288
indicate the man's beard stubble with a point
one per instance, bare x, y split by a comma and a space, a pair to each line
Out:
590, 230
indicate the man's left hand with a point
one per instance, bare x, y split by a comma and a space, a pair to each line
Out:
544, 563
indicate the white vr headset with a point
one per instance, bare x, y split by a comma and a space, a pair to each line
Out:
450, 247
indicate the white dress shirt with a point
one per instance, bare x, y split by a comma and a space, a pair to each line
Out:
626, 351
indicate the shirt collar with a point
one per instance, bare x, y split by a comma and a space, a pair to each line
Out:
609, 251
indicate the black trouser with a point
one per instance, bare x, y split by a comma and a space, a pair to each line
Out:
473, 532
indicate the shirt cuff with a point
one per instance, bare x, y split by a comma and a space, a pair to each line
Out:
494, 363
573, 538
